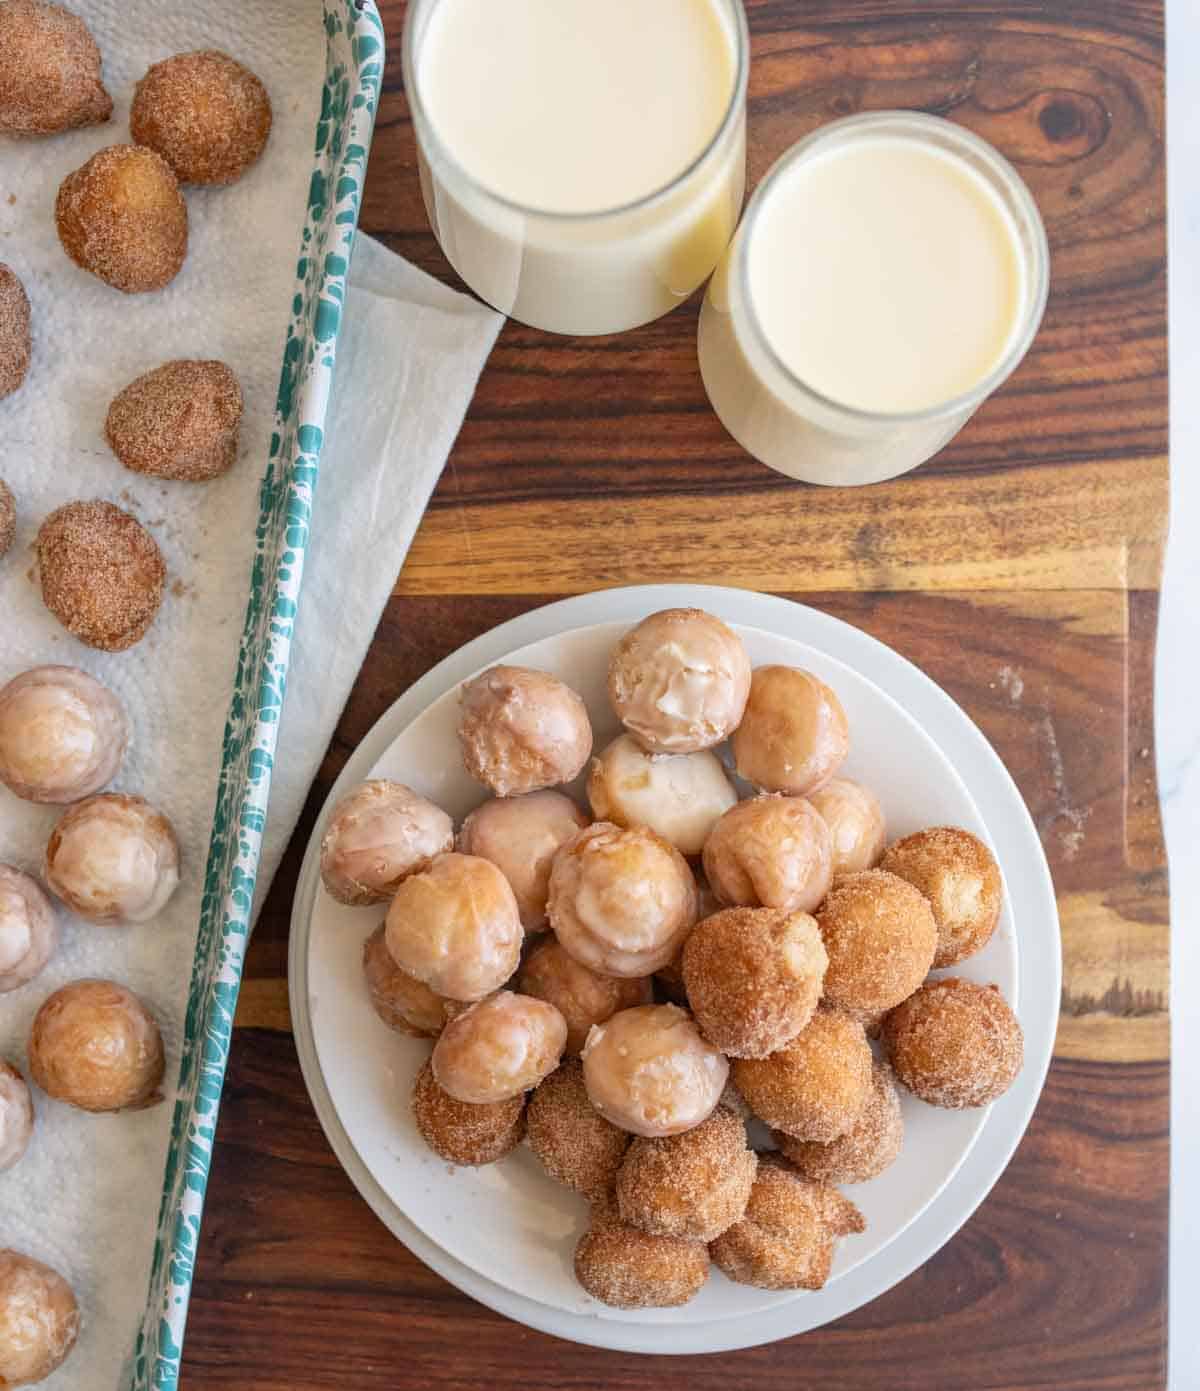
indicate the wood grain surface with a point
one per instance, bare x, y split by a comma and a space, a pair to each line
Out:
1019, 569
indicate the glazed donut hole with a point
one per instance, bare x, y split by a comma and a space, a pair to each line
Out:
101, 572
455, 926
621, 901
794, 736
788, 1234
880, 935
16, 1116
630, 1269
376, 837
770, 852
113, 859
462, 1133
694, 1185
869, 1147
403, 1003
582, 996
521, 836
571, 1140
679, 680
39, 1318
649, 1071
499, 1048
204, 113
959, 876
816, 1087
856, 825
62, 735
680, 796
122, 217
179, 421
753, 978
522, 730
51, 73
955, 1044
28, 929
96, 1046
16, 350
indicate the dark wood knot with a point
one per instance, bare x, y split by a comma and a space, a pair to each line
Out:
1061, 119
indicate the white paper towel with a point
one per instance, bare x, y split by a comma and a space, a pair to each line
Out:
85, 1197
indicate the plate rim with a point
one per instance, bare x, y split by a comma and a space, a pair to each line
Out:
1007, 1121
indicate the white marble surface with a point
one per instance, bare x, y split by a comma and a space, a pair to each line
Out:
1178, 710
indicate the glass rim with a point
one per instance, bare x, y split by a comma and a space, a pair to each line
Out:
919, 125
428, 137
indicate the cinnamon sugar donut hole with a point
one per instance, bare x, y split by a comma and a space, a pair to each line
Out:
582, 996
679, 681
179, 421
206, 114
753, 978
869, 1147
404, 1003
377, 836
455, 926
122, 217
693, 1185
649, 1071
816, 1087
630, 1269
39, 1318
621, 901
856, 825
955, 1044
521, 836
959, 876
881, 938
500, 1048
681, 796
770, 852
461, 1133
102, 574
521, 730
571, 1139
28, 928
788, 1235
16, 349
50, 78
794, 736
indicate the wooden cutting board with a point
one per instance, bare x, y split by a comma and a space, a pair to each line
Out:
1020, 570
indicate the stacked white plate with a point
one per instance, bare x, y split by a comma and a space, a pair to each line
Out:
506, 1233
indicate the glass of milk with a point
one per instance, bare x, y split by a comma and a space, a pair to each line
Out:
889, 274
583, 162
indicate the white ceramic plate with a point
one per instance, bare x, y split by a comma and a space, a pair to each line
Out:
506, 1233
